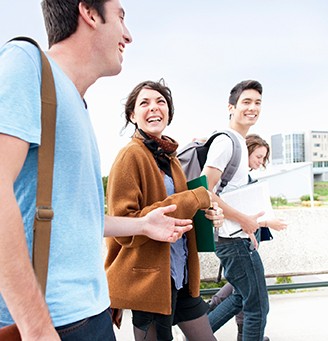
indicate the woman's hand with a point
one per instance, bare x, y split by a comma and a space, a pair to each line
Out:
215, 214
277, 224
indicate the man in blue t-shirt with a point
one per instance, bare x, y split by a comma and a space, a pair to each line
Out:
86, 41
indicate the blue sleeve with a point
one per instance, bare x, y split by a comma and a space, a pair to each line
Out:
20, 104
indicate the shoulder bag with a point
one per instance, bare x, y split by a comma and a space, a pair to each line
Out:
43, 212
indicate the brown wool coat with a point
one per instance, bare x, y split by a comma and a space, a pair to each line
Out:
138, 268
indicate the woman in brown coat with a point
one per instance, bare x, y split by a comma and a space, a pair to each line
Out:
158, 281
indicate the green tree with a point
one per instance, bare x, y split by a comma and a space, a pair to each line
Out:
104, 180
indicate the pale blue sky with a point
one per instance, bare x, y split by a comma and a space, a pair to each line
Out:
202, 49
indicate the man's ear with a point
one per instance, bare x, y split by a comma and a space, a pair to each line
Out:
231, 109
89, 14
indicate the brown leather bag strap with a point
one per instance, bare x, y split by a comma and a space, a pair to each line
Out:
46, 151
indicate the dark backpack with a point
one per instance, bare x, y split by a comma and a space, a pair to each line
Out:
193, 157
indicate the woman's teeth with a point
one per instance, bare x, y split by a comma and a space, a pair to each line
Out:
157, 119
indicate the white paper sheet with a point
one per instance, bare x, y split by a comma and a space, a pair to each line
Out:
250, 199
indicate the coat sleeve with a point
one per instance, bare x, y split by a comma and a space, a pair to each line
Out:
134, 178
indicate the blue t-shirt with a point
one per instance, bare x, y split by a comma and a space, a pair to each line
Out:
77, 285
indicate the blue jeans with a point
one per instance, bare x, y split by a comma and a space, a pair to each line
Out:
243, 268
95, 328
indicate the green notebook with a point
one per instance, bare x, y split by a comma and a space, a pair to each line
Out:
203, 226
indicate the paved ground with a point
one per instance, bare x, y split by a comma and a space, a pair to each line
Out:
293, 317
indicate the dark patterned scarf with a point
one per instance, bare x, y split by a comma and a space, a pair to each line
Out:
163, 150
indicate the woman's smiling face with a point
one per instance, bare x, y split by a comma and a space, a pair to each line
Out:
151, 112
256, 159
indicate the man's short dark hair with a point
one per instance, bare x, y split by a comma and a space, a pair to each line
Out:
61, 17
242, 86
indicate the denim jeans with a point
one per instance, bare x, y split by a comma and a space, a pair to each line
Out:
222, 295
244, 270
95, 328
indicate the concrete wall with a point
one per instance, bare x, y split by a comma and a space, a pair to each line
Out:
291, 180
301, 249
321, 176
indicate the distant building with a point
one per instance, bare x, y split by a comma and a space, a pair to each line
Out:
277, 149
311, 146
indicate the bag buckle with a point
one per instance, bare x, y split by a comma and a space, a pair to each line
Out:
43, 213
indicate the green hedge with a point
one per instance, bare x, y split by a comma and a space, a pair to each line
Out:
307, 197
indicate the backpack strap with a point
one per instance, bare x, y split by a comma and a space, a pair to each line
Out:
44, 212
203, 150
232, 165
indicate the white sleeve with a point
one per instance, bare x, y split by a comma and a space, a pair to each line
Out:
220, 153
